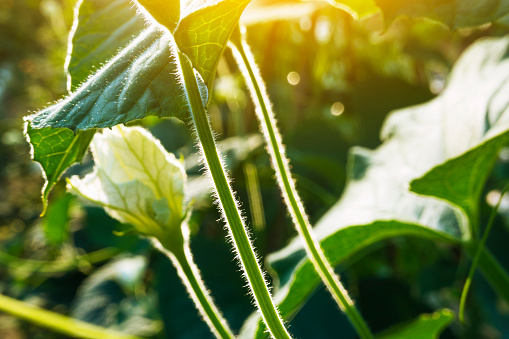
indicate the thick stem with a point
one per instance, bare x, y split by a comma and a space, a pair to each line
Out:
287, 185
182, 259
229, 206
57, 322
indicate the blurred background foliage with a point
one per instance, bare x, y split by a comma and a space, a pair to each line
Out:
332, 80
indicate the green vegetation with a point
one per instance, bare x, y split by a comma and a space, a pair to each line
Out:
376, 129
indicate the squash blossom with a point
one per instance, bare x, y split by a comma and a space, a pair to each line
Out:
137, 182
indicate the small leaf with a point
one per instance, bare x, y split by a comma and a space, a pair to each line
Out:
426, 326
203, 34
55, 150
453, 13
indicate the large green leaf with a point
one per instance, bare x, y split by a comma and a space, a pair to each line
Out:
140, 81
454, 13
101, 28
473, 115
298, 278
451, 142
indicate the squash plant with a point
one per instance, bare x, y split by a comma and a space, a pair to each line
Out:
159, 58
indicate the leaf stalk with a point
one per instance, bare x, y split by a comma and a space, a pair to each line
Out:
182, 259
489, 265
239, 234
280, 163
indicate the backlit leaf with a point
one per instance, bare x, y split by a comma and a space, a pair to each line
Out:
474, 114
138, 82
101, 28
203, 34
451, 142
55, 150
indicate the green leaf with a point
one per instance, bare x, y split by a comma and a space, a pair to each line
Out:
140, 81
426, 326
459, 131
473, 113
56, 222
298, 278
100, 29
203, 34
55, 150
453, 13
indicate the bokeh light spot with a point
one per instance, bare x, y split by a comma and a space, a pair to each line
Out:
337, 108
293, 78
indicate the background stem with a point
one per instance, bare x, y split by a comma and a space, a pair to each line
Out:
183, 261
494, 273
280, 163
241, 241
57, 322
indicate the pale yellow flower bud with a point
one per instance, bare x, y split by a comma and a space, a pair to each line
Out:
136, 181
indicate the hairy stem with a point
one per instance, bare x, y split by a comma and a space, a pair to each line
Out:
229, 206
56, 322
182, 259
280, 163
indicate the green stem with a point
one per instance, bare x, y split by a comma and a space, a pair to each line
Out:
242, 243
183, 260
57, 322
280, 163
489, 261
57, 266
250, 172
